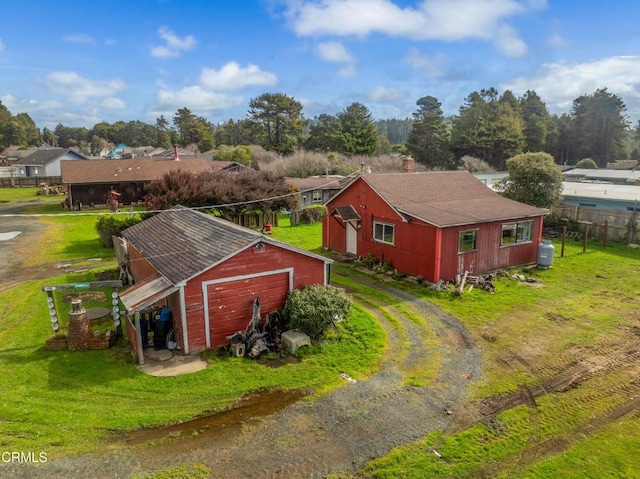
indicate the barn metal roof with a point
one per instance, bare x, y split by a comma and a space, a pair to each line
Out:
181, 243
146, 292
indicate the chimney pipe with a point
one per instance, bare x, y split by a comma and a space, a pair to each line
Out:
408, 164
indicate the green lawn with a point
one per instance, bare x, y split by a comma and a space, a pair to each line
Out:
68, 402
586, 304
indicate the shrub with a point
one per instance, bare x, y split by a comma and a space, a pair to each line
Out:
112, 225
314, 309
587, 163
312, 214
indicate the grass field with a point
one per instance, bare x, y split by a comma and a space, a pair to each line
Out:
67, 403
579, 323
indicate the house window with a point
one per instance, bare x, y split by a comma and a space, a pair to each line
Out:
513, 233
317, 196
383, 232
467, 241
35, 170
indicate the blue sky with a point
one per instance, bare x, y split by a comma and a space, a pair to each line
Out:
79, 62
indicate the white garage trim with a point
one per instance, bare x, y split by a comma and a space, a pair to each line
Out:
205, 293
183, 313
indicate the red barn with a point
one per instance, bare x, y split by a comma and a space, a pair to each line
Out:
207, 271
433, 224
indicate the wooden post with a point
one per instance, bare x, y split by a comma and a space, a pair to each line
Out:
564, 237
606, 231
584, 239
136, 319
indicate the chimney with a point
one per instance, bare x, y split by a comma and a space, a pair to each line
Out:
408, 164
176, 155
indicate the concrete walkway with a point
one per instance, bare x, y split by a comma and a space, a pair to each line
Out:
163, 362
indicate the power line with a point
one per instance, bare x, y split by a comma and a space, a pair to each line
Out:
224, 205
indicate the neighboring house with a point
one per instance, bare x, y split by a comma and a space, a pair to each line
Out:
89, 181
317, 190
45, 162
117, 151
433, 224
207, 271
601, 195
618, 177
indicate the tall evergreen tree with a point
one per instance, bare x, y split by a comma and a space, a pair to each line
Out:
325, 134
278, 121
429, 138
359, 135
600, 125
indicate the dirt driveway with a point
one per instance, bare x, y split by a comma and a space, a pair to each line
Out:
335, 433
18, 234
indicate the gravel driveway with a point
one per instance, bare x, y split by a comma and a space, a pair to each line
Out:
335, 433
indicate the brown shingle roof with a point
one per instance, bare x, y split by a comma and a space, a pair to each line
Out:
446, 198
180, 243
133, 170
317, 183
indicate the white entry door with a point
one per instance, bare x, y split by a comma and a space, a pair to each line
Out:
352, 237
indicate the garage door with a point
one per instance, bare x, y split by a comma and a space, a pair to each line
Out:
230, 303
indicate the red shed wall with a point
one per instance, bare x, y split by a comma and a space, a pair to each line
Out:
139, 267
489, 255
307, 270
415, 248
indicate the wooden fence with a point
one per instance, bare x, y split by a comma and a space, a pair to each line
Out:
19, 182
256, 220
617, 225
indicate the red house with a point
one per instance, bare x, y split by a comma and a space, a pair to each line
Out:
432, 224
207, 271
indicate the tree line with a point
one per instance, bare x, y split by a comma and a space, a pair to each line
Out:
489, 126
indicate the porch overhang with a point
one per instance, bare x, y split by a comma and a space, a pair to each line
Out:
146, 293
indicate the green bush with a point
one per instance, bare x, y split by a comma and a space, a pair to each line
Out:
587, 163
312, 214
112, 225
314, 309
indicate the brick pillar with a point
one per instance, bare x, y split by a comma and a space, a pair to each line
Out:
408, 164
79, 327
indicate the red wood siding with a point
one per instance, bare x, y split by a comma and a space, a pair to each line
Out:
139, 267
252, 261
489, 255
420, 248
231, 303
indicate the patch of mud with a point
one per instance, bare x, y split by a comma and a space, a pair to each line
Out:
279, 362
251, 407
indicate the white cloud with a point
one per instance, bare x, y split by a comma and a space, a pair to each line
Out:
347, 70
449, 20
233, 77
113, 103
385, 95
333, 52
432, 67
1, 45
79, 38
558, 84
17, 105
174, 45
556, 41
195, 98
507, 41
78, 89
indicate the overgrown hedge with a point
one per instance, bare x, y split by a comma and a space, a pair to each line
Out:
312, 214
109, 225
315, 308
